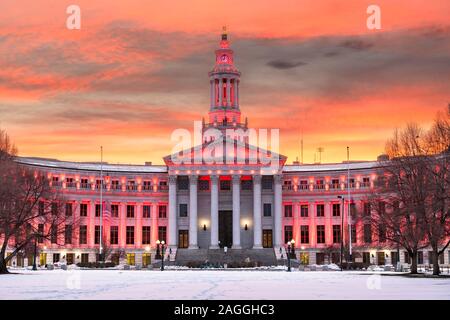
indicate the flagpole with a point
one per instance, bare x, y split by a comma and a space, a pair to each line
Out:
101, 203
349, 216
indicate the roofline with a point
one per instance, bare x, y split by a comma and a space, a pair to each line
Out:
90, 166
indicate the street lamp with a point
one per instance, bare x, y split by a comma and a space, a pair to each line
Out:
293, 248
35, 254
161, 245
288, 255
158, 254
342, 230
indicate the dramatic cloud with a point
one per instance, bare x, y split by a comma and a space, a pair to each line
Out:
133, 74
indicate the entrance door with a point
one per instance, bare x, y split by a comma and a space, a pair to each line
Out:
380, 258
70, 258
226, 228
267, 238
183, 238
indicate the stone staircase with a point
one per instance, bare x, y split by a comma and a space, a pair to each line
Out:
263, 257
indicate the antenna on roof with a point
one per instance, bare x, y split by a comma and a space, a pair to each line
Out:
320, 150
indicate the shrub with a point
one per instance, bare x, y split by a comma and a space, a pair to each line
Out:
96, 265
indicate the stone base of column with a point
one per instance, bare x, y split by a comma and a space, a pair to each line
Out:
192, 247
214, 247
257, 247
236, 247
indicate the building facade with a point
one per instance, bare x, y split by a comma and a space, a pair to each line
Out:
237, 204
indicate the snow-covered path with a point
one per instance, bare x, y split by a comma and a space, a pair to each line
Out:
258, 285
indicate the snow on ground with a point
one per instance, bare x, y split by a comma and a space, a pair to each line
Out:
195, 284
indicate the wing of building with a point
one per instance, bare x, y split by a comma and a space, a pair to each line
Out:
252, 204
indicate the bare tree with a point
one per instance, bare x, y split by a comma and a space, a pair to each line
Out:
437, 213
30, 209
409, 205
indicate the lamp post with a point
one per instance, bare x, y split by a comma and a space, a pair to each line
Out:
342, 230
158, 254
398, 251
162, 244
293, 248
288, 255
35, 254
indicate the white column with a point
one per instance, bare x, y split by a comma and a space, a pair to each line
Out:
154, 225
235, 93
220, 91
193, 224
214, 213
228, 84
277, 212
236, 212
172, 211
211, 83
257, 224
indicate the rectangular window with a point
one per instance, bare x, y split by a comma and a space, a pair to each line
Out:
83, 234
56, 257
114, 235
320, 210
381, 233
366, 257
225, 185
54, 209
83, 209
146, 235
85, 258
115, 185
367, 209
203, 185
147, 185
367, 233
183, 210
321, 234
130, 211
84, 184
41, 208
54, 234
304, 211
97, 235
266, 182
335, 184
68, 234
420, 257
97, 210
162, 211
353, 233
162, 234
320, 185
407, 257
41, 233
69, 209
320, 258
365, 182
183, 183
114, 210
288, 235
146, 213
246, 184
336, 210
304, 234
130, 235
303, 185
336, 233
288, 211
267, 209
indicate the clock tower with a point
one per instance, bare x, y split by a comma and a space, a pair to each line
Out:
224, 89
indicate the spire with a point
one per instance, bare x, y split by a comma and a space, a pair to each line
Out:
224, 33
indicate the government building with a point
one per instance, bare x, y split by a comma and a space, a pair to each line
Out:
249, 208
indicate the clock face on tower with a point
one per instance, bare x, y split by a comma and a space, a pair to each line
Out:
224, 58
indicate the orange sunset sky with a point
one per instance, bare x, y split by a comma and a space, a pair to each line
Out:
137, 70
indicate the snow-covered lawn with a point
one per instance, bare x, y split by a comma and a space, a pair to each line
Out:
181, 284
